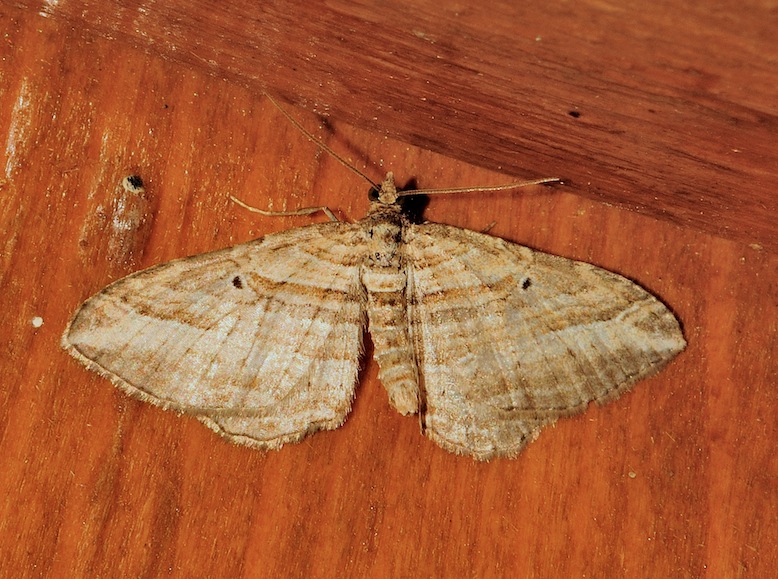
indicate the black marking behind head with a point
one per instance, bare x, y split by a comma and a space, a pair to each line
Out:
413, 206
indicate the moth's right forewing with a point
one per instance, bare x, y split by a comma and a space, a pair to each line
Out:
261, 341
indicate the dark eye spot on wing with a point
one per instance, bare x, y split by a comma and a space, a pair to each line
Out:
526, 283
237, 282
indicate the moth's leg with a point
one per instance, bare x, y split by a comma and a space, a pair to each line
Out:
303, 211
489, 227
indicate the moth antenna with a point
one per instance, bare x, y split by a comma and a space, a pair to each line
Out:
356, 171
320, 144
504, 187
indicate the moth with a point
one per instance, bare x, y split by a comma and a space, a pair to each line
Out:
487, 341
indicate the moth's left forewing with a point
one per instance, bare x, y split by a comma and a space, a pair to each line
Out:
604, 332
509, 339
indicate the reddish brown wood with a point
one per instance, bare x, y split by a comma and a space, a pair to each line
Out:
677, 477
668, 110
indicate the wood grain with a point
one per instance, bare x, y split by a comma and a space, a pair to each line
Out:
677, 477
668, 111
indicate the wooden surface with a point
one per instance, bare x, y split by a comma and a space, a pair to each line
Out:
668, 110
677, 120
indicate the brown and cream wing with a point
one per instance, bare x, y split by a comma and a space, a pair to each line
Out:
260, 341
508, 339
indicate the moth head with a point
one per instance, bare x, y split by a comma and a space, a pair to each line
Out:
387, 194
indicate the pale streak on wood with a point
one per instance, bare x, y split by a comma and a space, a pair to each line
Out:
489, 341
125, 221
